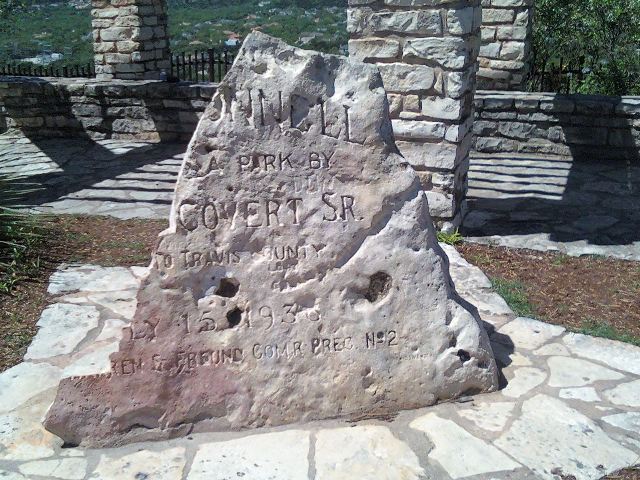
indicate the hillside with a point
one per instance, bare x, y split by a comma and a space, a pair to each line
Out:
65, 28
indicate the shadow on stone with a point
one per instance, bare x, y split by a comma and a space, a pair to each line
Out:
590, 194
88, 147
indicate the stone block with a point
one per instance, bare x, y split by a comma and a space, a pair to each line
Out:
450, 52
491, 50
403, 78
498, 102
460, 21
497, 16
370, 49
117, 58
557, 104
86, 110
513, 51
458, 83
495, 145
443, 108
116, 34
128, 21
629, 106
366, 21
594, 106
441, 205
585, 135
488, 34
418, 130
440, 155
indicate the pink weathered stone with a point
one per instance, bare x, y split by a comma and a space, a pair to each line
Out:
300, 277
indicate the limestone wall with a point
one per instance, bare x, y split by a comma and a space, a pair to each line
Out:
130, 38
505, 54
146, 110
427, 53
580, 126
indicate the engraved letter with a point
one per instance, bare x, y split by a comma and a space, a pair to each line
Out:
272, 211
325, 199
250, 224
188, 216
347, 206
293, 205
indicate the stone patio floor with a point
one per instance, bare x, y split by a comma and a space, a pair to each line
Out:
522, 200
544, 202
569, 405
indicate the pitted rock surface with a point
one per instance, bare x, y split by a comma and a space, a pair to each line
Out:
300, 277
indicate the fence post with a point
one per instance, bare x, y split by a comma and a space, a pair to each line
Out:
210, 53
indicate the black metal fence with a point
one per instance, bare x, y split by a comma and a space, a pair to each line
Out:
558, 76
202, 66
66, 71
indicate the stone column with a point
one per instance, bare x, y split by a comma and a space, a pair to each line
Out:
427, 53
507, 36
130, 39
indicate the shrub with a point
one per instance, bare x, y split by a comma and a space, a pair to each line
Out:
601, 35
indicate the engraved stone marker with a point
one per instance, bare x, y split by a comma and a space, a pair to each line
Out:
300, 277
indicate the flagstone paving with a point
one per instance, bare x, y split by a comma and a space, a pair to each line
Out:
570, 405
118, 178
549, 203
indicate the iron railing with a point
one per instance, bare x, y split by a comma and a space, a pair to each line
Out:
30, 70
202, 66
558, 76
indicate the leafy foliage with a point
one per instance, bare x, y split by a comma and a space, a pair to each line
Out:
452, 238
604, 34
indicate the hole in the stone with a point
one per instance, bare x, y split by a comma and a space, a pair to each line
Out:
230, 188
234, 317
70, 445
228, 288
379, 285
464, 356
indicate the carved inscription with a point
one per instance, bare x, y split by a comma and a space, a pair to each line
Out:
185, 361
302, 113
267, 213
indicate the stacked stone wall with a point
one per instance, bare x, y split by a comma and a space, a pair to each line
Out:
131, 39
427, 54
144, 110
505, 54
578, 126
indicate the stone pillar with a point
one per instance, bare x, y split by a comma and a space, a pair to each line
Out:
130, 39
427, 53
507, 36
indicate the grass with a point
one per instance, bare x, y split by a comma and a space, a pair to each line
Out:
602, 329
20, 234
514, 293
596, 295
452, 238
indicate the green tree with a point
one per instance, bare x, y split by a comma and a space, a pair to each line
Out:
605, 34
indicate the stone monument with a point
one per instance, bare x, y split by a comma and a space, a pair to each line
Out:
300, 277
